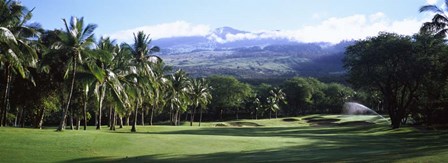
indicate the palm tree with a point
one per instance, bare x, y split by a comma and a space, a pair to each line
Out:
277, 96
74, 43
159, 87
142, 61
200, 97
178, 95
109, 71
255, 104
439, 23
15, 53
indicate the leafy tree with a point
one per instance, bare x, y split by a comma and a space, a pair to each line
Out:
336, 95
388, 64
299, 94
432, 60
227, 93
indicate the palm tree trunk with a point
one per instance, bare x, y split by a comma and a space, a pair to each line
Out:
200, 117
112, 124
133, 129
21, 117
152, 114
143, 116
192, 116
236, 114
6, 96
127, 120
110, 117
84, 112
64, 112
103, 94
78, 124
17, 116
71, 118
178, 121
175, 118
270, 113
40, 118
276, 114
121, 121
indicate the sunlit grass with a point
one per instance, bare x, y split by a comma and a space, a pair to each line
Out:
281, 139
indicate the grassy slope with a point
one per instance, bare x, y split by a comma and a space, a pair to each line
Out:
276, 140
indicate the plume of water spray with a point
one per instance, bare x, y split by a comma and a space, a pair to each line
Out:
353, 108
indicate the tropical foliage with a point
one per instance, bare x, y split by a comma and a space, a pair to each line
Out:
76, 78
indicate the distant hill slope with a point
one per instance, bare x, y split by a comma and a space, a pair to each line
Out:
243, 54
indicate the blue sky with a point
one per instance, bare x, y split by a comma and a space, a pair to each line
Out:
302, 20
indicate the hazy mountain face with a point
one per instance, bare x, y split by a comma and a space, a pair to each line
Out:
251, 55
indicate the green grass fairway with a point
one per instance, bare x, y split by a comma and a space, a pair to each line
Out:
313, 138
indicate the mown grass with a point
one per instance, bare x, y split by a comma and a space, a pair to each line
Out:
274, 140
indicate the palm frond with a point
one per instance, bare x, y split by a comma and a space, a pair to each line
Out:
430, 8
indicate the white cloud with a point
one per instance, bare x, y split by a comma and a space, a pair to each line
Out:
431, 2
354, 27
334, 29
178, 28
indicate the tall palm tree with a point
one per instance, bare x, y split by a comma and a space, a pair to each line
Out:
143, 59
178, 95
159, 87
109, 71
200, 96
75, 43
439, 23
15, 53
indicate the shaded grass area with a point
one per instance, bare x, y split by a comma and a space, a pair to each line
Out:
285, 141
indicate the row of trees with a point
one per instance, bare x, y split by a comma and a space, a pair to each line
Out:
44, 70
293, 97
66, 75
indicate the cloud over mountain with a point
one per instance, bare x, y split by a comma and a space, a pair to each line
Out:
332, 30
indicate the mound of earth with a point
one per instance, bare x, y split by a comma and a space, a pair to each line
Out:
323, 121
311, 118
221, 125
244, 124
356, 123
237, 124
290, 120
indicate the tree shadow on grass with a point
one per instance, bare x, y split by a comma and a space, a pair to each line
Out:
346, 144
365, 151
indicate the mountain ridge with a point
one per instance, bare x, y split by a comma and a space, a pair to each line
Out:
251, 57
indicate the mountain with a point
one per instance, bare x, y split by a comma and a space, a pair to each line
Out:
249, 55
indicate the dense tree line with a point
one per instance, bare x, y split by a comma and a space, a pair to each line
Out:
67, 77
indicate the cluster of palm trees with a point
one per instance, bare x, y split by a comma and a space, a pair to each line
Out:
80, 72
271, 104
